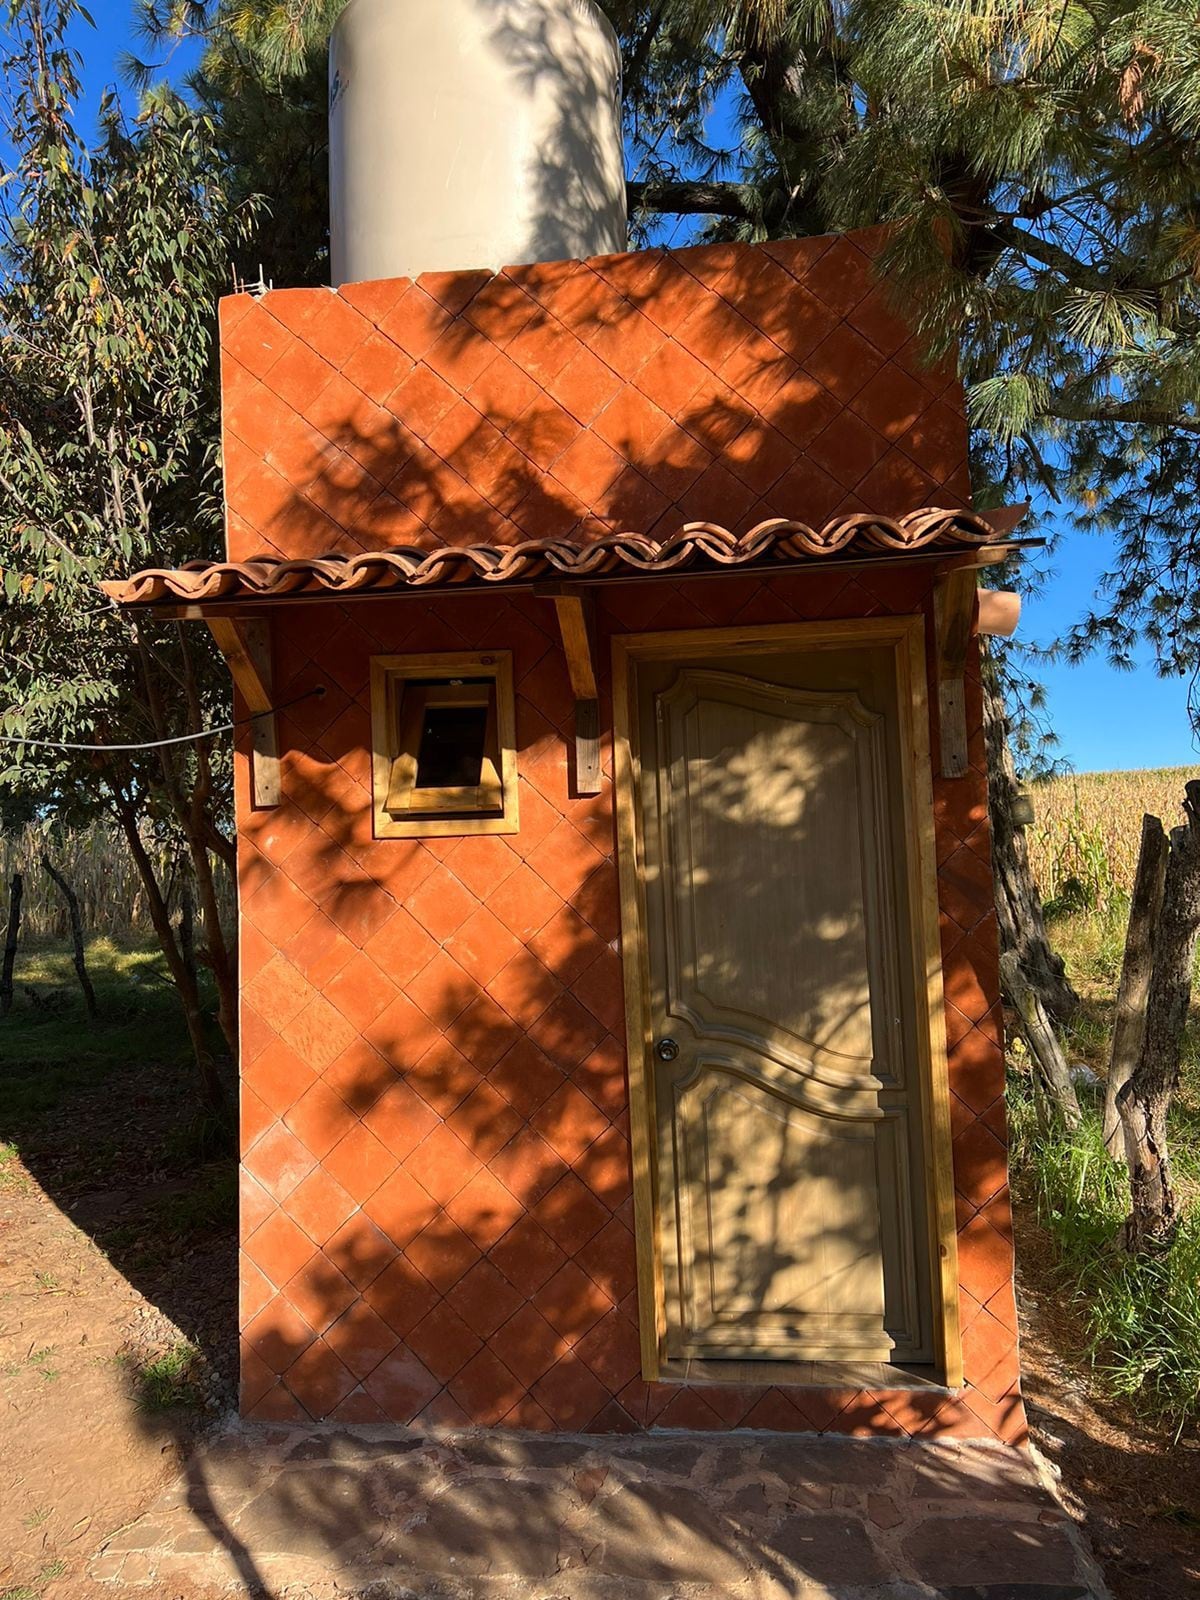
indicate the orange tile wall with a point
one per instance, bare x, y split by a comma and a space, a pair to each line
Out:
436, 1211
436, 1217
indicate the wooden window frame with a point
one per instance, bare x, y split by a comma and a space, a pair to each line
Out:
401, 810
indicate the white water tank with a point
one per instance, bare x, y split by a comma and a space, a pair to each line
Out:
472, 133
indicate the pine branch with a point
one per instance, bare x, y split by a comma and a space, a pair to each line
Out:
743, 201
1134, 411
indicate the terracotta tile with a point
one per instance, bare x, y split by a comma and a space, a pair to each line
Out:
486, 1389
527, 1166
570, 1213
360, 1163
443, 990
484, 1299
320, 1118
482, 865
611, 1350
278, 1334
400, 948
358, 1408
484, 1121
526, 1255
319, 1034
401, 1207
602, 1076
524, 903
360, 1250
570, 1393
443, 1342
571, 1302
565, 860
361, 991
401, 1385
319, 1292
359, 1076
569, 1121
279, 1247
443, 1077
401, 1295
606, 1167
482, 1033
567, 945
277, 1077
442, 904
279, 1161
482, 945
609, 1258
401, 1034
400, 1118
526, 1077
484, 1209
442, 1164
527, 1345
524, 988
255, 1205
980, 1164
442, 1252
255, 1290
320, 1205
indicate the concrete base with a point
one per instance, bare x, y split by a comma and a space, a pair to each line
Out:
473, 1516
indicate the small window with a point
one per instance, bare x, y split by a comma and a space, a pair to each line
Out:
444, 745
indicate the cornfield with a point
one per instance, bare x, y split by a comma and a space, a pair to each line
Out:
1083, 842
97, 864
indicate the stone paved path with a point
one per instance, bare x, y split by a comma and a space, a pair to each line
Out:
386, 1513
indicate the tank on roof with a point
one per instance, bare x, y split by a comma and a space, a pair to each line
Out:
472, 133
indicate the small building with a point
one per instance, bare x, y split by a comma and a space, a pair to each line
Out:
621, 1038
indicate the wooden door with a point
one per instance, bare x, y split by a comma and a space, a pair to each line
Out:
787, 1128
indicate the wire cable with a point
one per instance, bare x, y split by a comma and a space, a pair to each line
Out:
159, 744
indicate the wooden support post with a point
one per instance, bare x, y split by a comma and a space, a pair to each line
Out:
954, 611
576, 611
246, 646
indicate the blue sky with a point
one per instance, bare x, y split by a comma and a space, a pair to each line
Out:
1103, 718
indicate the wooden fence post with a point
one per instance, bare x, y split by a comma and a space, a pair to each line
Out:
1134, 989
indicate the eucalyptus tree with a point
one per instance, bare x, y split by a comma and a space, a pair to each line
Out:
114, 252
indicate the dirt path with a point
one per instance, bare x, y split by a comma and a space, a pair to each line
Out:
78, 1458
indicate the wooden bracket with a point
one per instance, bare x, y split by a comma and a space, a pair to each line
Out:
576, 622
954, 600
246, 646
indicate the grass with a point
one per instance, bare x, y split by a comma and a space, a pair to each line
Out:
1142, 1316
171, 1380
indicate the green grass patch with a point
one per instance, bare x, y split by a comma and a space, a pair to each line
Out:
1142, 1314
171, 1381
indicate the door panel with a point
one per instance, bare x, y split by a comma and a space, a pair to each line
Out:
784, 1139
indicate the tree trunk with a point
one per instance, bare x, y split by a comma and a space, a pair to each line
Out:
1145, 1101
16, 891
1130, 1022
77, 950
212, 1089
1053, 1074
1018, 902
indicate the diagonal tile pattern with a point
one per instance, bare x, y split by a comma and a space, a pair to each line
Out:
439, 1220
727, 384
436, 1211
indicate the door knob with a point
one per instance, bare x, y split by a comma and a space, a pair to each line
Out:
666, 1049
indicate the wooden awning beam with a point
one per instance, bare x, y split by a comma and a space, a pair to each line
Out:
575, 610
246, 646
